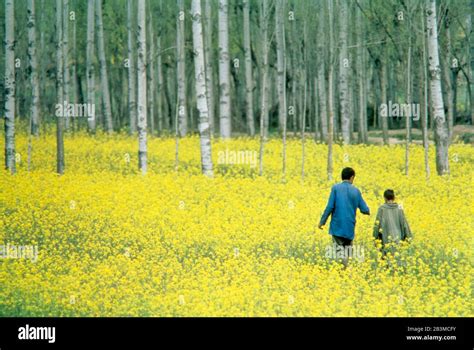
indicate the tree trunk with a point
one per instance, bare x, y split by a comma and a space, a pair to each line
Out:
330, 91
151, 70
224, 71
447, 75
436, 96
162, 121
281, 75
75, 84
323, 112
471, 55
384, 83
361, 135
181, 71
132, 78
142, 108
264, 78
10, 86
211, 99
90, 71
201, 93
407, 117
281, 64
248, 70
59, 88
104, 80
33, 64
344, 72
66, 77
424, 94
315, 107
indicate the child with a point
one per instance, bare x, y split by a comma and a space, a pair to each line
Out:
391, 225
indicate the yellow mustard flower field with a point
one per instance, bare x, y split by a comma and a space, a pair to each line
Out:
112, 242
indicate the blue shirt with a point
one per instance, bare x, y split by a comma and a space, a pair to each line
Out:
342, 206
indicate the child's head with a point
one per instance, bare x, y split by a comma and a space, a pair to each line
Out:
389, 195
348, 174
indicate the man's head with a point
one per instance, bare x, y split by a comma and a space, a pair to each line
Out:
389, 195
348, 174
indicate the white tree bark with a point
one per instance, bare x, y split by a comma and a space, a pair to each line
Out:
10, 86
408, 118
104, 80
281, 75
362, 137
281, 63
384, 83
249, 85
322, 42
211, 99
151, 70
330, 91
90, 67
423, 91
66, 76
224, 71
162, 121
75, 84
132, 78
142, 108
344, 71
181, 70
264, 76
59, 87
200, 81
436, 95
33, 64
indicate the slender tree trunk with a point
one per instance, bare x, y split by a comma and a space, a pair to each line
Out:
436, 96
471, 56
384, 83
248, 70
90, 67
132, 77
281, 64
75, 84
181, 71
151, 70
330, 91
361, 137
201, 93
224, 71
344, 72
424, 94
281, 75
104, 80
314, 93
59, 88
447, 75
408, 118
162, 121
33, 65
322, 74
264, 71
303, 124
142, 108
66, 77
10, 86
211, 99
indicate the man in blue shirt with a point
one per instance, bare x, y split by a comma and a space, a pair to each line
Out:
342, 206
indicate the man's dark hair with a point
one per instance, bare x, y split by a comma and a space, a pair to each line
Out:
389, 195
347, 173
